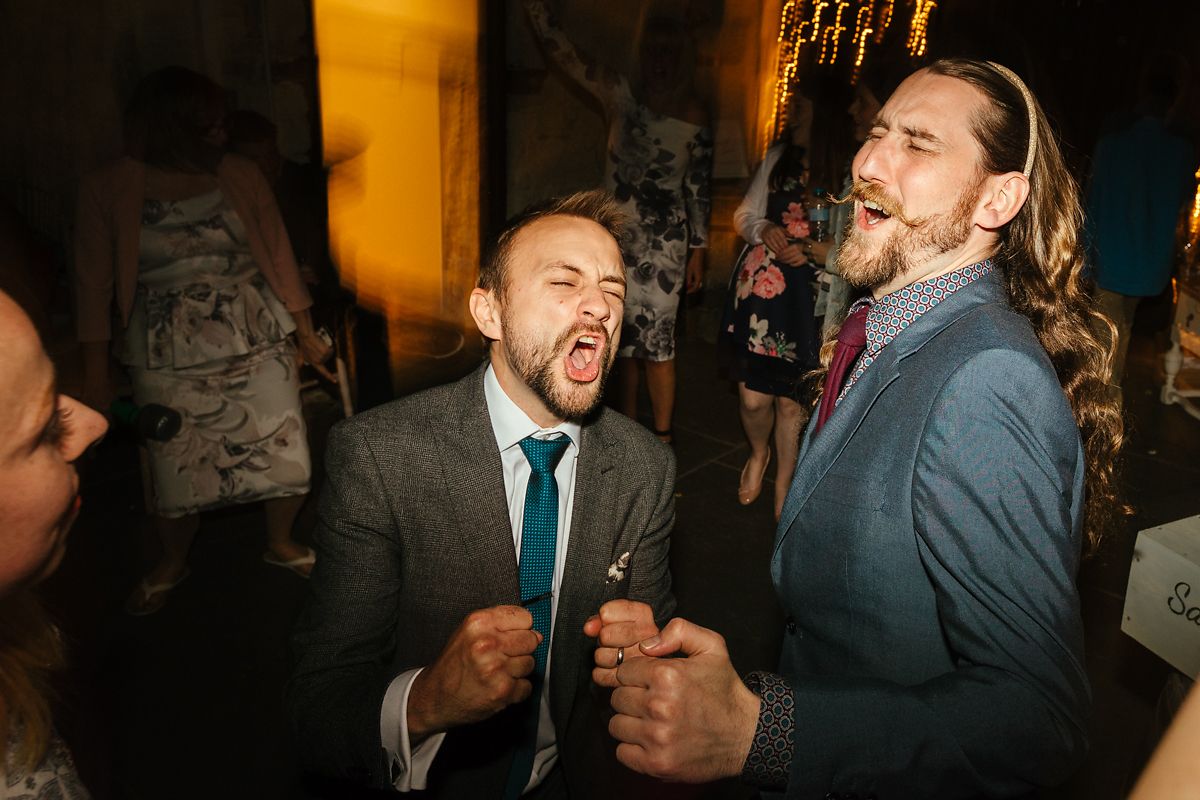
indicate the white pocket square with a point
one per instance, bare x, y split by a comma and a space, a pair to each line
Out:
616, 570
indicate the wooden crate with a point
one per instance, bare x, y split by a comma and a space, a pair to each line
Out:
1162, 601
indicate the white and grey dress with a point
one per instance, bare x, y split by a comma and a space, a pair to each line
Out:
209, 338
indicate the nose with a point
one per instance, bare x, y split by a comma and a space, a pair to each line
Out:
593, 304
87, 426
872, 161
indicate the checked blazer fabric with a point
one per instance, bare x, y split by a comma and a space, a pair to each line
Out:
539, 532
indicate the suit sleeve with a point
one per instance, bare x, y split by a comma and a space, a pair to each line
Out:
345, 636
650, 582
997, 498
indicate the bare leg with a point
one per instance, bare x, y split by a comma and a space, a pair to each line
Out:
627, 386
175, 535
757, 411
789, 417
660, 380
281, 513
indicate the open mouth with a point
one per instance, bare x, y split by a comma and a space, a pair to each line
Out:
873, 213
583, 359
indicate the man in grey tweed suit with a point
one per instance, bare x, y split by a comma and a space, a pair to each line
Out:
413, 654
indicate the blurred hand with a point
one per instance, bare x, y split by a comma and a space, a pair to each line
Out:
688, 719
314, 351
775, 238
820, 251
481, 670
792, 255
620, 623
694, 274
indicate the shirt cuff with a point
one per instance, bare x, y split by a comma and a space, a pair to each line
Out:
770, 760
408, 769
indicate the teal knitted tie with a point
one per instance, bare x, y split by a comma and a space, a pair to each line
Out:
539, 534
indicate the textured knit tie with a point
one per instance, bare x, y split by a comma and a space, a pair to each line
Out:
851, 340
539, 532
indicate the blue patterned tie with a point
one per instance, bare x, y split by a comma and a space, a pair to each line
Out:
539, 533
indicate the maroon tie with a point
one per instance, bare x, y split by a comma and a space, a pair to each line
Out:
851, 340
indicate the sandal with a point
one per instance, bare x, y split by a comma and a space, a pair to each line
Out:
295, 565
148, 599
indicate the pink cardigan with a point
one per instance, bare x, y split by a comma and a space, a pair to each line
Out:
108, 230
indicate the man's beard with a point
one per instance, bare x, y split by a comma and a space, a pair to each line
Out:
563, 397
907, 248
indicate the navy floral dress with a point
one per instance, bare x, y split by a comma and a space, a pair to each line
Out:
768, 323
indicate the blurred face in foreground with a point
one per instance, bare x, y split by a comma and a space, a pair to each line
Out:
41, 435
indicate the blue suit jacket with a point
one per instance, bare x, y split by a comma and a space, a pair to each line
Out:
926, 560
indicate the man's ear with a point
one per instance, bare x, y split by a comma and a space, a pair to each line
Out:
485, 309
1003, 197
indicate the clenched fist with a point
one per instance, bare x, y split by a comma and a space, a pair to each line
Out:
481, 670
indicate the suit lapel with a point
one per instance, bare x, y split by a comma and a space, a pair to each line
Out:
475, 487
590, 549
819, 452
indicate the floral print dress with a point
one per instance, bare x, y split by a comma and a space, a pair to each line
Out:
658, 167
768, 320
54, 778
209, 338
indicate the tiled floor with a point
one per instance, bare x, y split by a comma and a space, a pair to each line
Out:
188, 703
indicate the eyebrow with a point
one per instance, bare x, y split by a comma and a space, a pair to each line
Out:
618, 278
909, 131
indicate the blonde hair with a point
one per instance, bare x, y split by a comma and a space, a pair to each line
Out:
30, 650
1042, 261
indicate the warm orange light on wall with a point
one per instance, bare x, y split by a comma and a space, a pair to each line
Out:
398, 88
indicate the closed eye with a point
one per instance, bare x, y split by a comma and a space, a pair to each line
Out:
57, 428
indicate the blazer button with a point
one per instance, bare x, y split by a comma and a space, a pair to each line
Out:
790, 624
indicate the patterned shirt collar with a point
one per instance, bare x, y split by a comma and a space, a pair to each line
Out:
892, 313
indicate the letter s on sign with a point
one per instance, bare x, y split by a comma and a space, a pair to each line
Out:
1179, 598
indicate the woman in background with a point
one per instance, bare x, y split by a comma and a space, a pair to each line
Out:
659, 165
42, 433
188, 242
769, 324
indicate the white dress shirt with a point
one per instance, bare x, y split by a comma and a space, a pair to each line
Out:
410, 766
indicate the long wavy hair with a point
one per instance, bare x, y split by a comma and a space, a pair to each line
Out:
1041, 259
30, 651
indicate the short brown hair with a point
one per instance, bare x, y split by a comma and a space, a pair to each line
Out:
595, 204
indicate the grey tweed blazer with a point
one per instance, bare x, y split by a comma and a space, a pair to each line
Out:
414, 534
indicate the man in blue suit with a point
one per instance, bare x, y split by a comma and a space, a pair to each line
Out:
959, 456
